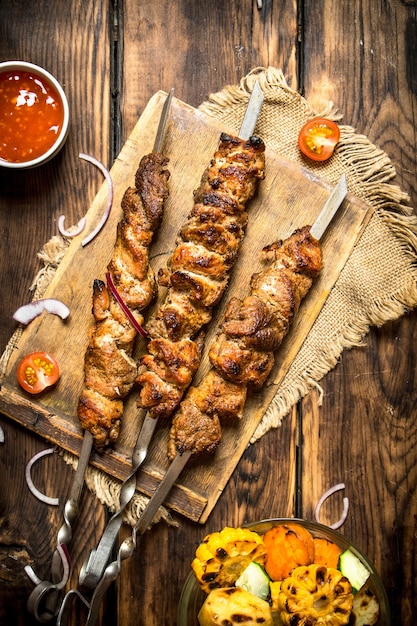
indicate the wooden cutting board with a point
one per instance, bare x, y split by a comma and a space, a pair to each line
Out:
288, 198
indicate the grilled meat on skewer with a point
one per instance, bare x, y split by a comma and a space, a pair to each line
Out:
109, 370
197, 273
242, 355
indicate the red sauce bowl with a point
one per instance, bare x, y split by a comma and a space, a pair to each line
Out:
34, 115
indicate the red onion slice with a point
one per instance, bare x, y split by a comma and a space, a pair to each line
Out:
66, 568
106, 213
66, 565
28, 474
31, 573
324, 497
28, 312
73, 232
124, 306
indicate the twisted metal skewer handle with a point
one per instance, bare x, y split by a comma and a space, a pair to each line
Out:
94, 567
71, 508
45, 599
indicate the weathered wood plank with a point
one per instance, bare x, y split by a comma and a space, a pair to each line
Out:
198, 48
365, 429
74, 45
361, 56
71, 40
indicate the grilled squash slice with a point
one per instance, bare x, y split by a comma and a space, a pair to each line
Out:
234, 606
314, 595
222, 557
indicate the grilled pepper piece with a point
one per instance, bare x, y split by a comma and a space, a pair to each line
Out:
288, 546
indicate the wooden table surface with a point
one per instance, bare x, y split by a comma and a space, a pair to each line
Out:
111, 57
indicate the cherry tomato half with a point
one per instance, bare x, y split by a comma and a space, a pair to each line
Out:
37, 371
318, 137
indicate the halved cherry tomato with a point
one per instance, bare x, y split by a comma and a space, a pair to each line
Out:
318, 137
37, 371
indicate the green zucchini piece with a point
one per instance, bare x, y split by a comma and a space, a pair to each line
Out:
354, 570
255, 580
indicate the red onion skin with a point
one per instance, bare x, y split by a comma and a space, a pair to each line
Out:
75, 231
124, 306
83, 221
107, 210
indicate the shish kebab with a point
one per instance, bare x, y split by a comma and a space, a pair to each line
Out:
198, 269
110, 370
298, 259
256, 326
196, 277
215, 229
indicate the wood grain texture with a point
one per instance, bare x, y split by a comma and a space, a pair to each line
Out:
72, 42
365, 430
198, 48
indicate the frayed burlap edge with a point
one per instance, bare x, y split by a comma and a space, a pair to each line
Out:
369, 172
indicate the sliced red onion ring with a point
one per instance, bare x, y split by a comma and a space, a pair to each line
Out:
73, 232
66, 565
324, 497
28, 312
28, 474
124, 306
31, 573
106, 213
66, 568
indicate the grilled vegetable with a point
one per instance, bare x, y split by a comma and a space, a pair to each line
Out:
353, 569
275, 588
222, 557
232, 606
365, 608
288, 546
326, 552
255, 580
315, 594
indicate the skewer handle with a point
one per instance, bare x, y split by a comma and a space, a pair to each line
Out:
252, 112
328, 211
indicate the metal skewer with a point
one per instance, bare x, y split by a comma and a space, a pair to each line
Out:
319, 227
128, 546
328, 211
45, 598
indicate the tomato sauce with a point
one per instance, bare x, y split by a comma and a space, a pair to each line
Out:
31, 116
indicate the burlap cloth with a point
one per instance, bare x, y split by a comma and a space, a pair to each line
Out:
377, 284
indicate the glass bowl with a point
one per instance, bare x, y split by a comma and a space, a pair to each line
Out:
192, 597
34, 115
